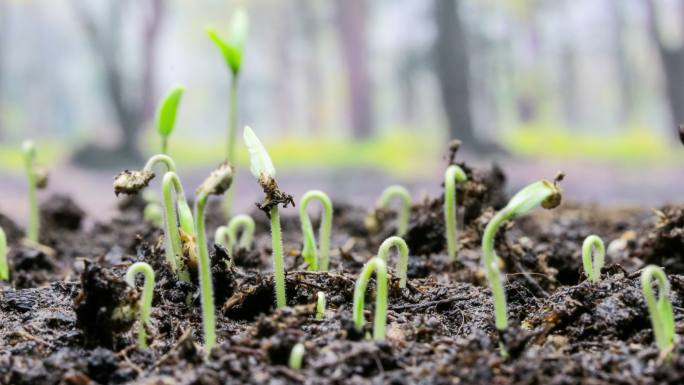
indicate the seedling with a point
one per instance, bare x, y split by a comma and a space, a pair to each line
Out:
216, 184
322, 260
543, 193
453, 174
380, 267
662, 317
593, 244
166, 115
37, 179
297, 356
262, 168
227, 236
232, 50
4, 266
402, 264
146, 300
403, 194
320, 305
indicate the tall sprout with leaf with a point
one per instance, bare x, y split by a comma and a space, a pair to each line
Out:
166, 115
660, 309
317, 260
232, 50
453, 174
4, 266
217, 183
542, 193
262, 168
392, 192
37, 179
146, 300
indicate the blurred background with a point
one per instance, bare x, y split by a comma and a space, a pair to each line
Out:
350, 95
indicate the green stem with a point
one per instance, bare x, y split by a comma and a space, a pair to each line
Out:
164, 145
492, 269
309, 251
162, 159
33, 220
231, 149
593, 270
205, 279
380, 319
405, 210
296, 356
320, 305
453, 174
402, 264
4, 266
146, 300
247, 224
171, 183
662, 317
278, 266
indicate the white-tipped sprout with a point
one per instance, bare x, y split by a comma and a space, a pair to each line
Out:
261, 164
321, 304
297, 356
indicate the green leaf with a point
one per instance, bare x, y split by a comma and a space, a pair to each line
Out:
166, 113
260, 162
530, 197
233, 48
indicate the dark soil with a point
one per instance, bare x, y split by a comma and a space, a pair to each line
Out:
67, 317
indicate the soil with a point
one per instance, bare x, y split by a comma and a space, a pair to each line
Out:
67, 316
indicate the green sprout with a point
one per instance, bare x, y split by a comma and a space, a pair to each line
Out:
321, 261
146, 300
227, 235
216, 184
153, 211
166, 115
593, 244
380, 267
402, 264
543, 193
403, 194
170, 183
662, 317
4, 267
262, 168
232, 50
320, 305
453, 174
37, 179
297, 356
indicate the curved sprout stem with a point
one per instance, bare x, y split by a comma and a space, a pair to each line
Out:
662, 317
380, 267
396, 191
593, 243
402, 264
247, 236
222, 237
320, 305
171, 183
309, 250
297, 356
29, 151
278, 265
453, 174
4, 266
205, 278
164, 159
146, 300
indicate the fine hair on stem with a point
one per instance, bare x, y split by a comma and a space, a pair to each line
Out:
397, 191
171, 183
378, 266
146, 300
317, 260
592, 268
453, 174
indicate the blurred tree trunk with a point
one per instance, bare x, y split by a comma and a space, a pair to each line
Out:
352, 20
4, 27
569, 84
622, 64
130, 96
451, 64
672, 61
311, 28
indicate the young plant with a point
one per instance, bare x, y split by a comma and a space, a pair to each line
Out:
297, 356
216, 184
262, 168
542, 193
4, 266
402, 247
232, 50
593, 244
166, 115
453, 174
37, 179
227, 236
403, 194
662, 317
320, 305
322, 260
146, 300
380, 267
